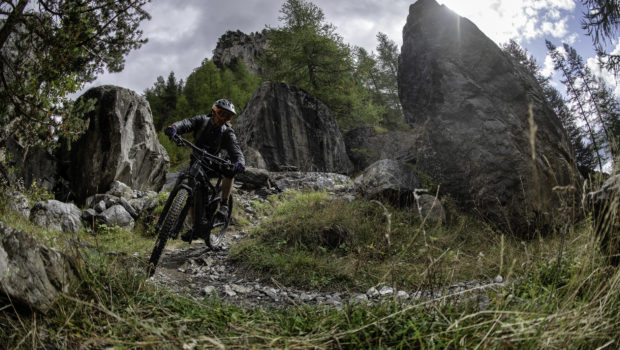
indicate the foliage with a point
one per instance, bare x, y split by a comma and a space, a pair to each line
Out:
583, 150
377, 73
591, 101
173, 100
49, 49
307, 52
602, 22
558, 296
312, 239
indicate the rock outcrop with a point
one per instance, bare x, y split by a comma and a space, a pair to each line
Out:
31, 274
605, 206
365, 145
292, 130
390, 180
55, 215
485, 132
233, 47
120, 144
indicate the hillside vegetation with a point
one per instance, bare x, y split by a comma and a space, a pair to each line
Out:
558, 292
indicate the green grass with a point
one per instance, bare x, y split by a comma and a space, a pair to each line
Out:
560, 292
333, 244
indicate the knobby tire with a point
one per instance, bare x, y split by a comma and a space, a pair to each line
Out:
217, 232
167, 228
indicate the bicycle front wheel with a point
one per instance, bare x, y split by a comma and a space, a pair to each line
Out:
172, 218
219, 227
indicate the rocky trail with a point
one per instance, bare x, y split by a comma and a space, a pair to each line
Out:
201, 272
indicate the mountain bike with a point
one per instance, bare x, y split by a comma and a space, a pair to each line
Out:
198, 188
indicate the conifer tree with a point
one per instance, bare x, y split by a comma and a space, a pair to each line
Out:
602, 22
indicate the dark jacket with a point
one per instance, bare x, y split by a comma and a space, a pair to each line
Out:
210, 137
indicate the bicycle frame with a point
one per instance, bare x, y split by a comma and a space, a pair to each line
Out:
197, 183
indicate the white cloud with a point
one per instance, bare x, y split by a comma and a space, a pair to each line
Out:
503, 20
547, 69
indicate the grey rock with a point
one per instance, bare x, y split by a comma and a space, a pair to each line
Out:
241, 289
292, 130
229, 291
315, 181
33, 164
271, 292
19, 203
253, 178
119, 189
430, 208
386, 291
236, 46
100, 207
604, 203
208, 291
119, 144
365, 145
469, 104
498, 279
30, 273
372, 292
117, 215
55, 215
359, 299
388, 180
402, 295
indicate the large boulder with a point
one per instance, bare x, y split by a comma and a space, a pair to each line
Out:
390, 180
120, 144
485, 132
292, 130
365, 145
31, 274
605, 206
56, 215
234, 47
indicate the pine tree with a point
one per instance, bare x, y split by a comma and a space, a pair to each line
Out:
307, 52
578, 101
602, 22
583, 151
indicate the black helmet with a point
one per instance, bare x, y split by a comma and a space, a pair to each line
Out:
224, 104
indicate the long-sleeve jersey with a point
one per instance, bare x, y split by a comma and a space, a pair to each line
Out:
211, 137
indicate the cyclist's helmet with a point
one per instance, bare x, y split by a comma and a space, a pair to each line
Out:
224, 109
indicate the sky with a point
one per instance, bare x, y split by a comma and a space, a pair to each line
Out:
183, 33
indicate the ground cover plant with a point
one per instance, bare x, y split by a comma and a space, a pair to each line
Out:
559, 291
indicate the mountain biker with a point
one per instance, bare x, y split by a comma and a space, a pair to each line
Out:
213, 133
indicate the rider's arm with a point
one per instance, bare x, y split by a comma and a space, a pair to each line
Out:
189, 124
230, 144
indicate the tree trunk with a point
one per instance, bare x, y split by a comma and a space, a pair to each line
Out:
8, 26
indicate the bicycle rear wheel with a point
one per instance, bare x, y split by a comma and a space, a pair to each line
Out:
218, 228
170, 223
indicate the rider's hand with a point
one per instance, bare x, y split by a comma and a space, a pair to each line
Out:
238, 168
170, 131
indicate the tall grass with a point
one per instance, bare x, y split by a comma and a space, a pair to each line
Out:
560, 290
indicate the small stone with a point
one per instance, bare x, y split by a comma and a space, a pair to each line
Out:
372, 292
229, 291
483, 302
360, 299
498, 279
271, 292
241, 289
305, 297
385, 290
208, 290
402, 295
100, 207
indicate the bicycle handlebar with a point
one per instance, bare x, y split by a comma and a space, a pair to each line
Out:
219, 161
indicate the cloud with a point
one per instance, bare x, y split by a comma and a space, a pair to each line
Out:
526, 20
